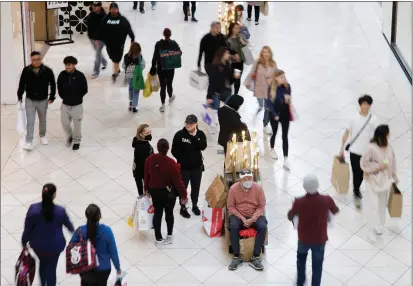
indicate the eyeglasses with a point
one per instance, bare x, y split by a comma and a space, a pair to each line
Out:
245, 173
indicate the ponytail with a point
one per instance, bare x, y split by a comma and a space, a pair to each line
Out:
48, 192
93, 216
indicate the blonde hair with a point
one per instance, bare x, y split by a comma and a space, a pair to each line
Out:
140, 130
274, 84
261, 59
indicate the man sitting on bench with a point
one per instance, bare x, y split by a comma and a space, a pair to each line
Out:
246, 203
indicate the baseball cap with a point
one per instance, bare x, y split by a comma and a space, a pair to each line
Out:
113, 5
311, 184
191, 119
245, 173
97, 3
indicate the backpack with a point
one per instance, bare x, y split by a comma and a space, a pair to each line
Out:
25, 269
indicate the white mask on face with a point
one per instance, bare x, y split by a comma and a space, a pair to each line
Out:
247, 185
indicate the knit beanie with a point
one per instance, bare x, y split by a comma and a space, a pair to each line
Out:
235, 101
311, 184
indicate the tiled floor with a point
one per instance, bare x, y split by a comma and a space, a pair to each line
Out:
331, 52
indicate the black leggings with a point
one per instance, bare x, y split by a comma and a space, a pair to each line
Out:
95, 278
237, 82
357, 172
256, 12
193, 8
162, 202
139, 183
166, 77
285, 125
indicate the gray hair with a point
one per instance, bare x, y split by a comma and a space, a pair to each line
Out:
215, 23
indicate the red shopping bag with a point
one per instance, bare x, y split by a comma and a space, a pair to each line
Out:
81, 256
248, 233
213, 220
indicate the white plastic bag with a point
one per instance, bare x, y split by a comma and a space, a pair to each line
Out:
21, 119
248, 57
213, 220
198, 80
143, 217
330, 223
121, 280
206, 115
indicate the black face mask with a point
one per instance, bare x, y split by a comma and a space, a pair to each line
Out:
148, 137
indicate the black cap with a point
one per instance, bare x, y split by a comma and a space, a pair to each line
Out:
191, 119
113, 5
97, 3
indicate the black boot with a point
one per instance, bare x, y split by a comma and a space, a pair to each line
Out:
186, 19
184, 212
196, 210
194, 20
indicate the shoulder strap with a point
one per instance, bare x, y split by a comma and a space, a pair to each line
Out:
361, 130
79, 232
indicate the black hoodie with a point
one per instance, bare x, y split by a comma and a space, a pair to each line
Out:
210, 45
142, 151
114, 29
72, 87
93, 21
187, 148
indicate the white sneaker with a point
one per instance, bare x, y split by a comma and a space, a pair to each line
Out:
172, 98
273, 154
28, 146
153, 7
169, 238
44, 141
286, 165
163, 242
162, 108
268, 130
378, 230
372, 236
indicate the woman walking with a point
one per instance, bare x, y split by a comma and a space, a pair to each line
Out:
256, 6
132, 60
164, 184
43, 230
165, 65
259, 80
236, 42
278, 102
379, 166
101, 237
142, 151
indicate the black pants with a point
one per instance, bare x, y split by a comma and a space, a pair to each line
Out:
237, 82
208, 70
47, 269
95, 278
195, 176
357, 172
256, 12
235, 225
135, 4
285, 125
115, 53
193, 8
139, 182
166, 77
162, 202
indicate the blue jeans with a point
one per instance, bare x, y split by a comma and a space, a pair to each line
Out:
153, 3
99, 58
317, 257
261, 103
216, 102
133, 94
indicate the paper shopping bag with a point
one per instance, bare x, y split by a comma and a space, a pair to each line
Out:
340, 177
395, 204
264, 8
247, 248
212, 220
217, 193
198, 80
144, 214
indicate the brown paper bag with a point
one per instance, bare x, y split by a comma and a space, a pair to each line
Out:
217, 193
340, 177
264, 8
247, 248
395, 204
240, 157
188, 12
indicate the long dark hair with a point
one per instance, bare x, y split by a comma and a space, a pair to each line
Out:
380, 135
231, 29
48, 192
219, 55
135, 50
93, 217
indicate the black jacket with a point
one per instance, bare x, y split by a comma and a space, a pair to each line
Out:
93, 21
210, 45
220, 79
114, 30
72, 87
230, 123
187, 148
162, 45
37, 85
142, 151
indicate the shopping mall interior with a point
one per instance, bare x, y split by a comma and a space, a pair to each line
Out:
331, 52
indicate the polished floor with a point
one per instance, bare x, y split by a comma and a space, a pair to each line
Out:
331, 52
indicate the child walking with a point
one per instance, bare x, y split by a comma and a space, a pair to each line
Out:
134, 66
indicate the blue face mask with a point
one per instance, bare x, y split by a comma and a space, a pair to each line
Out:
247, 185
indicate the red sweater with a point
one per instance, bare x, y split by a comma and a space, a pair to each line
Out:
161, 172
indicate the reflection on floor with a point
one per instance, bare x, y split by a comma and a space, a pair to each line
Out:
331, 52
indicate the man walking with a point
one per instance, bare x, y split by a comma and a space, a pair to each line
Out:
186, 10
93, 21
72, 86
313, 211
35, 81
113, 32
187, 147
360, 131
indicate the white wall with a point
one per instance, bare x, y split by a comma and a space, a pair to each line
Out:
404, 31
387, 15
9, 80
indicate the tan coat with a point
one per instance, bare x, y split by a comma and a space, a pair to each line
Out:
262, 81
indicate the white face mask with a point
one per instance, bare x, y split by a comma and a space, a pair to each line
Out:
247, 185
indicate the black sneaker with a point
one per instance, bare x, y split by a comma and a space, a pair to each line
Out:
76, 146
130, 106
135, 7
114, 77
235, 263
134, 110
103, 67
256, 264
196, 210
69, 141
186, 19
184, 212
142, 11
194, 20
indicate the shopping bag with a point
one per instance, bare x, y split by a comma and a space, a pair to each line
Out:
248, 58
395, 204
264, 8
171, 59
155, 84
132, 216
212, 220
292, 112
21, 118
247, 248
198, 80
340, 177
81, 256
137, 79
147, 91
121, 281
143, 219
248, 233
296, 220
217, 193
25, 269
206, 115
